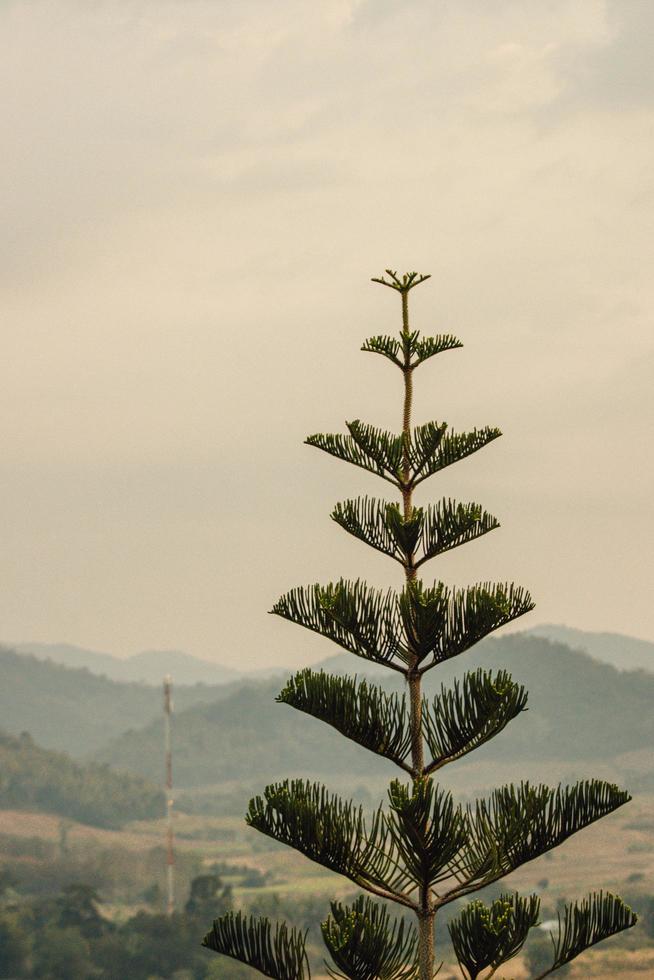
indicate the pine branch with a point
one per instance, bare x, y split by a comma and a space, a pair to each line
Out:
471, 713
365, 944
386, 346
250, 940
401, 284
520, 823
361, 711
448, 525
587, 923
488, 936
362, 620
426, 533
427, 829
429, 346
333, 833
372, 449
419, 349
380, 525
425, 449
431, 454
441, 623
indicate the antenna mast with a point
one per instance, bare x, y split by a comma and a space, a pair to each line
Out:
170, 852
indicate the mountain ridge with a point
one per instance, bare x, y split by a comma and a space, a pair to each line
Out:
146, 667
149, 666
622, 651
73, 710
567, 720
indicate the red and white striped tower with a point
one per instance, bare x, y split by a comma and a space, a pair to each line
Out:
170, 851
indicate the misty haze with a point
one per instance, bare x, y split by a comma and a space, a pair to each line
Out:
197, 196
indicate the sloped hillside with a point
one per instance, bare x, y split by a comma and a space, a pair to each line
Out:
74, 710
33, 778
579, 709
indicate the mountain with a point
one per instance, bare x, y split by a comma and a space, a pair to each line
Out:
35, 778
579, 710
148, 667
623, 652
76, 711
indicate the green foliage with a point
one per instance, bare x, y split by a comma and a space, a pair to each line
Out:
257, 741
66, 935
427, 532
587, 923
458, 720
365, 944
330, 831
432, 451
362, 620
62, 954
280, 954
427, 830
417, 624
490, 935
358, 709
14, 945
207, 893
423, 851
75, 711
472, 712
78, 908
517, 824
380, 452
38, 779
372, 449
439, 623
419, 349
401, 283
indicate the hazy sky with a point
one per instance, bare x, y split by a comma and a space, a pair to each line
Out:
195, 197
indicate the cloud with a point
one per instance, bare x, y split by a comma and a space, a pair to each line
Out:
197, 194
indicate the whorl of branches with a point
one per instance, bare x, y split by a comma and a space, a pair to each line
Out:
382, 452
419, 625
420, 349
428, 532
457, 721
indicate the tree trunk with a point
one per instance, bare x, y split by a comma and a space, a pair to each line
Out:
426, 946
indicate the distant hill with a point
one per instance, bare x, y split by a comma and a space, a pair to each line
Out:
579, 709
624, 652
76, 711
148, 667
34, 778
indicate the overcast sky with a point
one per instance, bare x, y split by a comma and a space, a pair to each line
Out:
195, 196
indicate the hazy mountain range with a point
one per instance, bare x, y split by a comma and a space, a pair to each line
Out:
584, 717
578, 710
150, 666
76, 711
624, 652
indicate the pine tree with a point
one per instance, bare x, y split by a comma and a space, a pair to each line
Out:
421, 851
